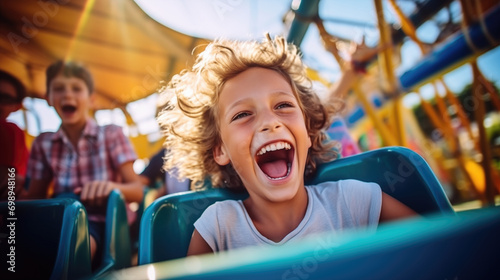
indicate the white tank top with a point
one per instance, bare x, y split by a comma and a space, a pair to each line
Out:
332, 206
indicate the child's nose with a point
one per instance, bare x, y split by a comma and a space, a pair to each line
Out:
269, 122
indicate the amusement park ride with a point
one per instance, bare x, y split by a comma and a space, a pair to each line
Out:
131, 55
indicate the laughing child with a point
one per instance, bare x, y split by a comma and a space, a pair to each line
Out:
246, 116
81, 157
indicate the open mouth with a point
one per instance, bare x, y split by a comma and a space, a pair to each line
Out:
275, 160
68, 108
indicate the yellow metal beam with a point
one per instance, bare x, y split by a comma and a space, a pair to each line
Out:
479, 113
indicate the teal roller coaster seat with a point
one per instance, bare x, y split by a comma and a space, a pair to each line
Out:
399, 171
167, 225
49, 240
117, 249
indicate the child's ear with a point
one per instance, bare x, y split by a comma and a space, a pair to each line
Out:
220, 155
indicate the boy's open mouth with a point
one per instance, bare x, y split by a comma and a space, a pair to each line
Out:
68, 108
275, 160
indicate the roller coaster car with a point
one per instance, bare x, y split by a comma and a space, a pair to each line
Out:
167, 225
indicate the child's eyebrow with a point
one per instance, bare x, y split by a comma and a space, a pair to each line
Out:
286, 93
228, 112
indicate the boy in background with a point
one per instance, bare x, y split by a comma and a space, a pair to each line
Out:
81, 157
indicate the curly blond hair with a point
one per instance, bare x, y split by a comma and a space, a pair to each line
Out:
190, 122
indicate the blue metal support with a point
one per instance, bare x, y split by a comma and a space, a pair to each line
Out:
307, 10
456, 51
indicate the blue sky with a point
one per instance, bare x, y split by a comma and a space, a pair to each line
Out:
249, 19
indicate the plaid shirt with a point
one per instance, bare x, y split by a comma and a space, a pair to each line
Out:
101, 150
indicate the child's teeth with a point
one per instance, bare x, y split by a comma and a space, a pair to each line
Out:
274, 147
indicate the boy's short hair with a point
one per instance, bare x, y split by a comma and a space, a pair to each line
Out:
18, 85
69, 69
190, 124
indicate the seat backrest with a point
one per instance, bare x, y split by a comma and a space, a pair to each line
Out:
399, 171
44, 239
117, 246
167, 225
